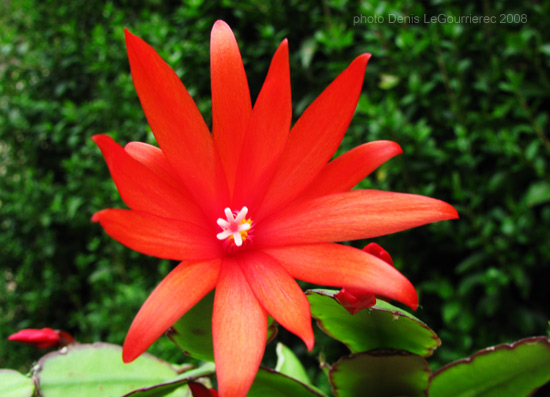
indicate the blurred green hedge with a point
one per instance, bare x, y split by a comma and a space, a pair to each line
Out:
468, 103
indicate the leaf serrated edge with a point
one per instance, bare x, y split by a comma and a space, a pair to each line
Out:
483, 352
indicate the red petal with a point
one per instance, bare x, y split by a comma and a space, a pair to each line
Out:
142, 190
279, 294
316, 136
184, 286
177, 124
350, 216
352, 167
342, 266
266, 134
239, 327
156, 236
231, 106
155, 160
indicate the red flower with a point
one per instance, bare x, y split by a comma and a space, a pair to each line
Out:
355, 299
250, 207
42, 338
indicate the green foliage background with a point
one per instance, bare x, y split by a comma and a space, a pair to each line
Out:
467, 102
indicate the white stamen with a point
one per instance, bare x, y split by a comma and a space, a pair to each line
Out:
240, 216
232, 226
223, 223
238, 239
223, 235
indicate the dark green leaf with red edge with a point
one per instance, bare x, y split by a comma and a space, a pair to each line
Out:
380, 373
177, 385
381, 326
97, 370
503, 370
274, 384
192, 333
15, 384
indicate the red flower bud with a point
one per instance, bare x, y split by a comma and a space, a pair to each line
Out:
376, 250
42, 338
354, 299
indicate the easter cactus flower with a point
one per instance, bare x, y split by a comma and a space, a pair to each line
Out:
251, 206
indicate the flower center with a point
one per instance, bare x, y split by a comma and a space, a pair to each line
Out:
235, 227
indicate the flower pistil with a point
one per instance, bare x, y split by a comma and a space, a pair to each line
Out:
235, 227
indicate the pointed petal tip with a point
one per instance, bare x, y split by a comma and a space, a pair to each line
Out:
310, 343
99, 138
283, 46
449, 211
220, 23
129, 355
454, 212
413, 302
99, 215
307, 337
403, 291
102, 140
390, 147
132, 347
133, 42
408, 294
128, 35
359, 64
220, 26
363, 59
95, 217
396, 148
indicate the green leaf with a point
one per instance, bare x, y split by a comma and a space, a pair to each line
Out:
309, 46
176, 386
15, 384
97, 370
381, 326
503, 370
387, 81
380, 373
288, 364
192, 333
274, 384
538, 193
